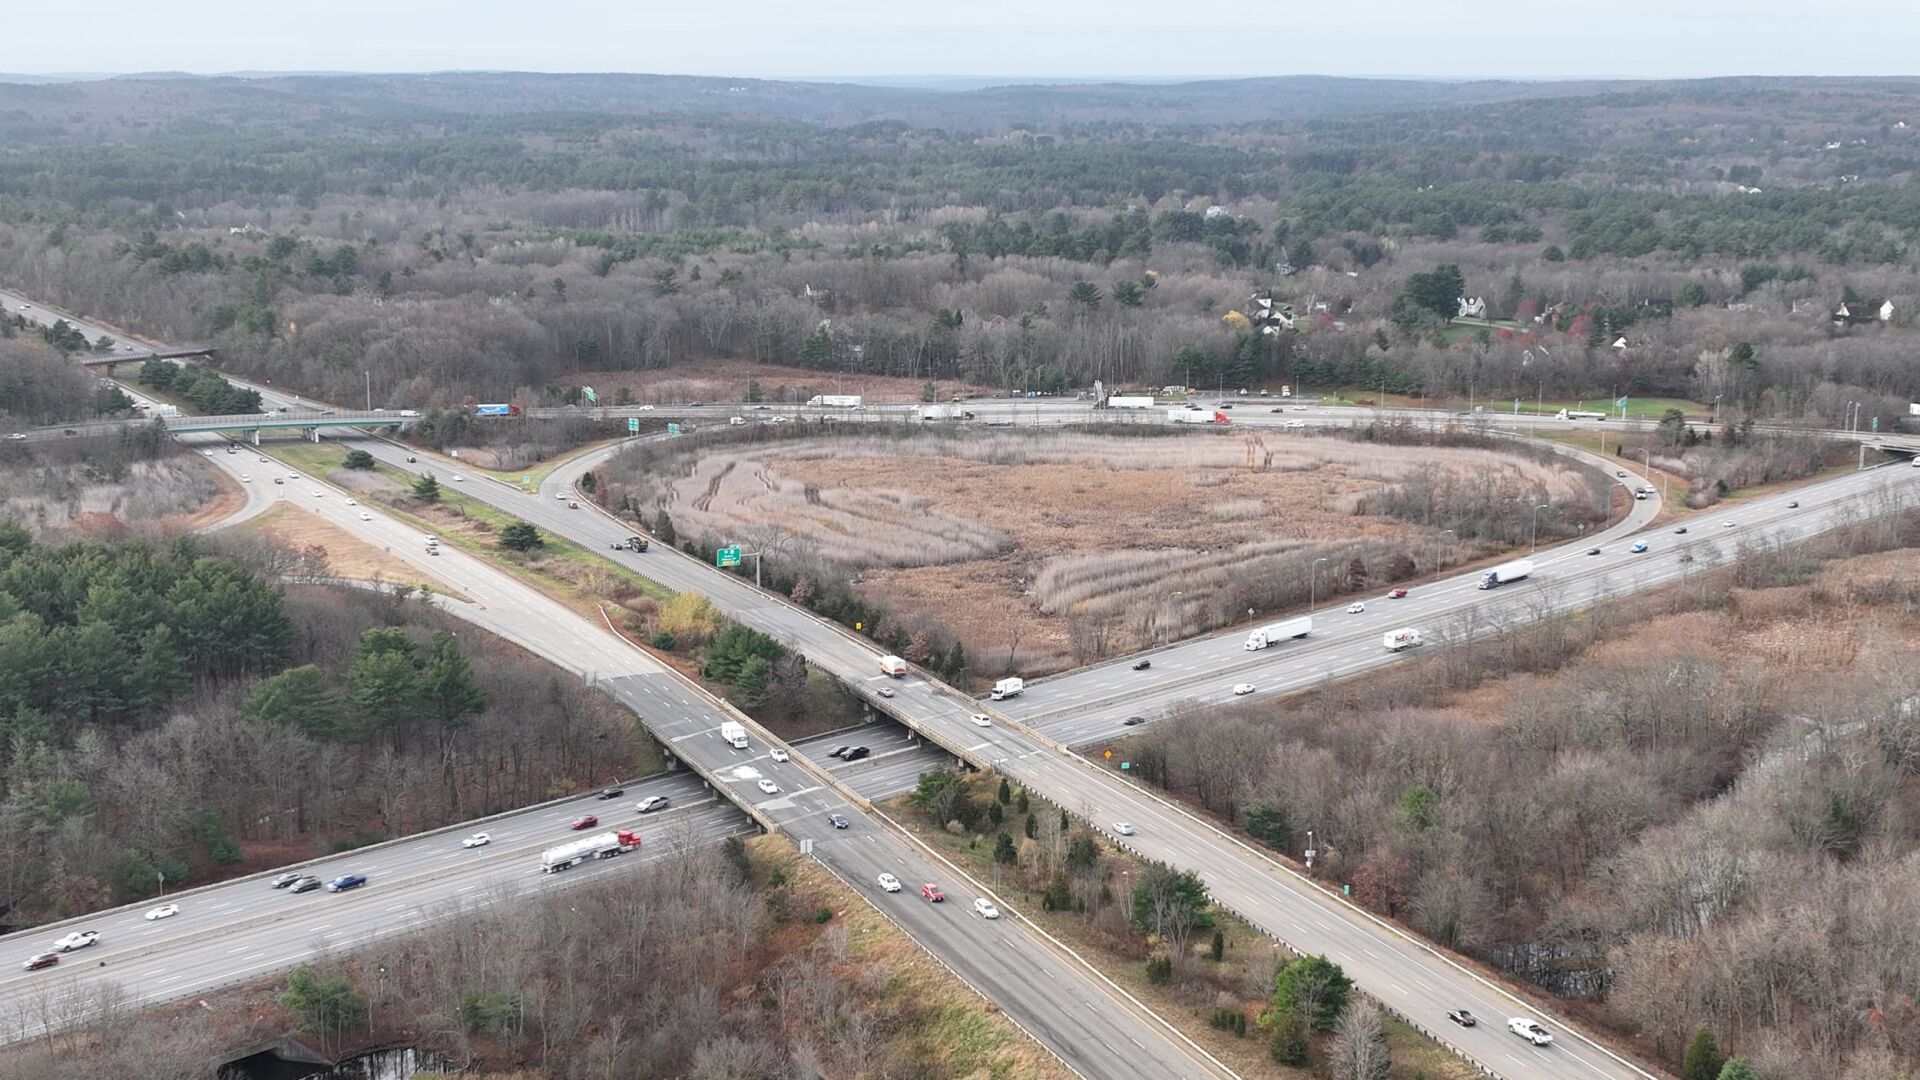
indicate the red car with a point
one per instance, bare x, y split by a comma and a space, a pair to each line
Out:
45, 959
585, 821
932, 892
1396, 594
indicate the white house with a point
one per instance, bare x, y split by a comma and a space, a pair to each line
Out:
1471, 307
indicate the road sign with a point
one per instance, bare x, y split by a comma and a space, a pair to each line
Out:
673, 429
587, 392
633, 424
526, 480
1108, 754
1126, 766
727, 556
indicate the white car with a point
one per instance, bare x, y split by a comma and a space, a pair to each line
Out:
245, 479
1242, 689
985, 907
1356, 608
981, 719
79, 939
206, 453
458, 479
364, 516
645, 408
778, 753
319, 494
164, 911
1530, 1031
769, 787
889, 883
885, 691
478, 839
651, 803
1726, 524
1124, 828
263, 461
561, 495
350, 502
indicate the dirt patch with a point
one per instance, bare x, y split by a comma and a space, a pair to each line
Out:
726, 380
1039, 551
347, 556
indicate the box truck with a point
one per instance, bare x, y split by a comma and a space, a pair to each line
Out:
735, 734
1404, 638
1136, 401
893, 666
1197, 416
1505, 573
496, 410
835, 401
1007, 688
1278, 632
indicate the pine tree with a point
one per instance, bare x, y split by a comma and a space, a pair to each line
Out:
1703, 1059
427, 489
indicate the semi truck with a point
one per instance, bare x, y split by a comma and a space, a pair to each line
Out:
1197, 416
944, 412
735, 734
835, 401
607, 845
1278, 632
1404, 638
893, 666
1571, 414
1134, 401
1007, 688
1506, 573
496, 410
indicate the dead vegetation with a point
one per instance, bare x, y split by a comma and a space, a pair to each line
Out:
1042, 549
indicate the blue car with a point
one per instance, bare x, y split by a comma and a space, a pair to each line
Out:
1638, 547
346, 881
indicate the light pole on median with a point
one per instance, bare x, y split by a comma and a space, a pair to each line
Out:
1531, 548
1313, 585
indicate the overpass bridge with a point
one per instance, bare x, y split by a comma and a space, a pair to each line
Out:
1895, 444
309, 424
181, 352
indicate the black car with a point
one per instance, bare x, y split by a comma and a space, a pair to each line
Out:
1681, 529
1133, 721
836, 821
839, 751
611, 793
1463, 1018
1794, 505
1142, 665
285, 880
856, 754
306, 884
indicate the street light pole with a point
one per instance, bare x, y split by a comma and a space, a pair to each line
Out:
1531, 548
1313, 585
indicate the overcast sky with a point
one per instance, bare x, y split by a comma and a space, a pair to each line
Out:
998, 38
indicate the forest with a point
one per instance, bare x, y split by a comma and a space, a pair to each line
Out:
1693, 240
1691, 809
180, 700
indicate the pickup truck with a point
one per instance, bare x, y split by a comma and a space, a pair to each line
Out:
1530, 1031
79, 939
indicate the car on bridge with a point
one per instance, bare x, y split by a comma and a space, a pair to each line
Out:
981, 719
769, 786
778, 753
837, 821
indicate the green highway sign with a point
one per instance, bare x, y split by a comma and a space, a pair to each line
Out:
633, 424
727, 556
673, 429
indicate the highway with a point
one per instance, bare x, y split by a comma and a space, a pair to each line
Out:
1059, 1000
1409, 975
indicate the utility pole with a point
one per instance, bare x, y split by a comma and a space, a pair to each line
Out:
369, 389
1313, 585
1535, 545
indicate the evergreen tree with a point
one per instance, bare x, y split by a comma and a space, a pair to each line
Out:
427, 489
301, 698
1703, 1059
1736, 1069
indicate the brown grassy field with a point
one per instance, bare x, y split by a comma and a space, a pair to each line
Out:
1039, 550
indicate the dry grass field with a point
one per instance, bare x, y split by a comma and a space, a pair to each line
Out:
1043, 549
54, 497
726, 380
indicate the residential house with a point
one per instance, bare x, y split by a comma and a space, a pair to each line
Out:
1471, 307
1862, 311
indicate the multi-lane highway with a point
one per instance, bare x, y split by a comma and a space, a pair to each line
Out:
1089, 1023
1409, 975
240, 930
